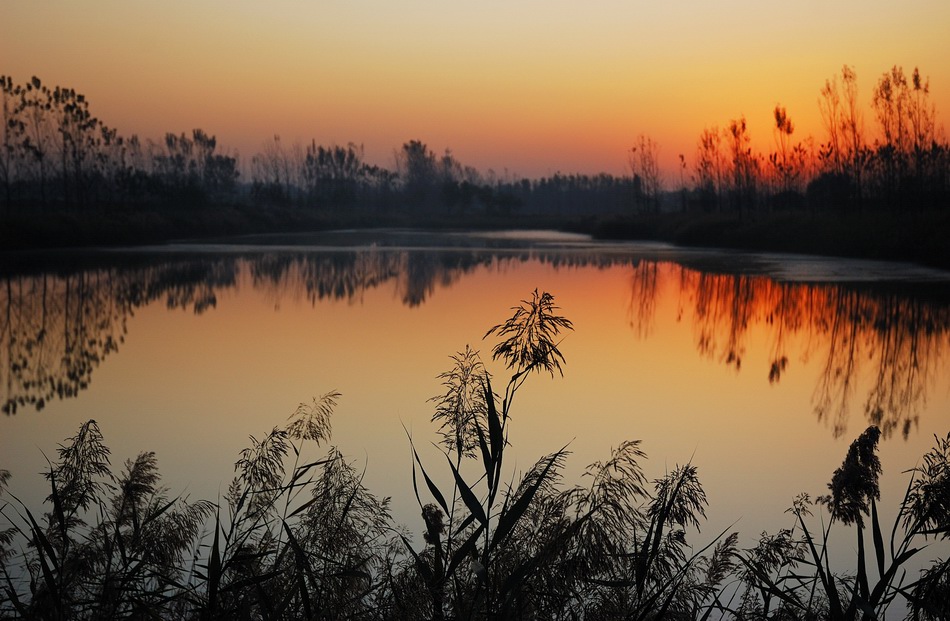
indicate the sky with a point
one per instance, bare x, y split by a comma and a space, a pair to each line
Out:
524, 88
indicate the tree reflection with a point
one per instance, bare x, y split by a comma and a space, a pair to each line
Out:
57, 326
55, 331
338, 276
192, 285
349, 275
836, 381
901, 342
643, 295
910, 339
893, 340
723, 309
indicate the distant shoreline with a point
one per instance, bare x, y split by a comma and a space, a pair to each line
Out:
922, 238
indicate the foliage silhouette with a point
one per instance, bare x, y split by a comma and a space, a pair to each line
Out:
56, 157
530, 333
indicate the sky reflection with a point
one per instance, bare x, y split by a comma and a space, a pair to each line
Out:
761, 383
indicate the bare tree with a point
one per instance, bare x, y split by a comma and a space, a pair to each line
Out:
852, 129
903, 110
710, 167
744, 166
416, 164
830, 106
644, 163
851, 120
36, 144
272, 172
79, 142
11, 135
331, 174
782, 161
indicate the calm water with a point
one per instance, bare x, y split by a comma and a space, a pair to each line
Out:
761, 369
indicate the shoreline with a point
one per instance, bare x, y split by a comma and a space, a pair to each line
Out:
919, 238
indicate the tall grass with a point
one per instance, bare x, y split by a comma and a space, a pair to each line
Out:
298, 535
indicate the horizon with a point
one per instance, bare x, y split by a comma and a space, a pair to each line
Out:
524, 91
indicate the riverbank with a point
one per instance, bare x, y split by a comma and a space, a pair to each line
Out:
112, 228
918, 238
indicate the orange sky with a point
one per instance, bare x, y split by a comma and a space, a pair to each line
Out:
529, 87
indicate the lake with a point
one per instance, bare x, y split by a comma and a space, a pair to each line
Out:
760, 369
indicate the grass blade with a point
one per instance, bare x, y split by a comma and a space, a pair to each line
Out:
486, 457
304, 571
214, 568
47, 554
439, 498
421, 565
468, 496
464, 550
495, 432
878, 538
510, 517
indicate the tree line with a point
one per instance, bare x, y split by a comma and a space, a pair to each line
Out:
904, 166
56, 156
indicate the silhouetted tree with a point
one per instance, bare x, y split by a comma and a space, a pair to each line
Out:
37, 133
829, 104
332, 174
782, 161
79, 143
744, 167
272, 174
54, 154
11, 130
645, 166
910, 165
852, 128
417, 165
710, 166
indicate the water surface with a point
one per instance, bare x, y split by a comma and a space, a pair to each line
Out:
759, 368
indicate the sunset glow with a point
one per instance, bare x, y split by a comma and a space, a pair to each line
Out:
649, 359
531, 88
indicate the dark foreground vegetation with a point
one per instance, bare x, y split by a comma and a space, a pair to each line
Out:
68, 179
298, 536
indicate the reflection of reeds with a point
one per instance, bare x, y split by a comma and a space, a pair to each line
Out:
306, 539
